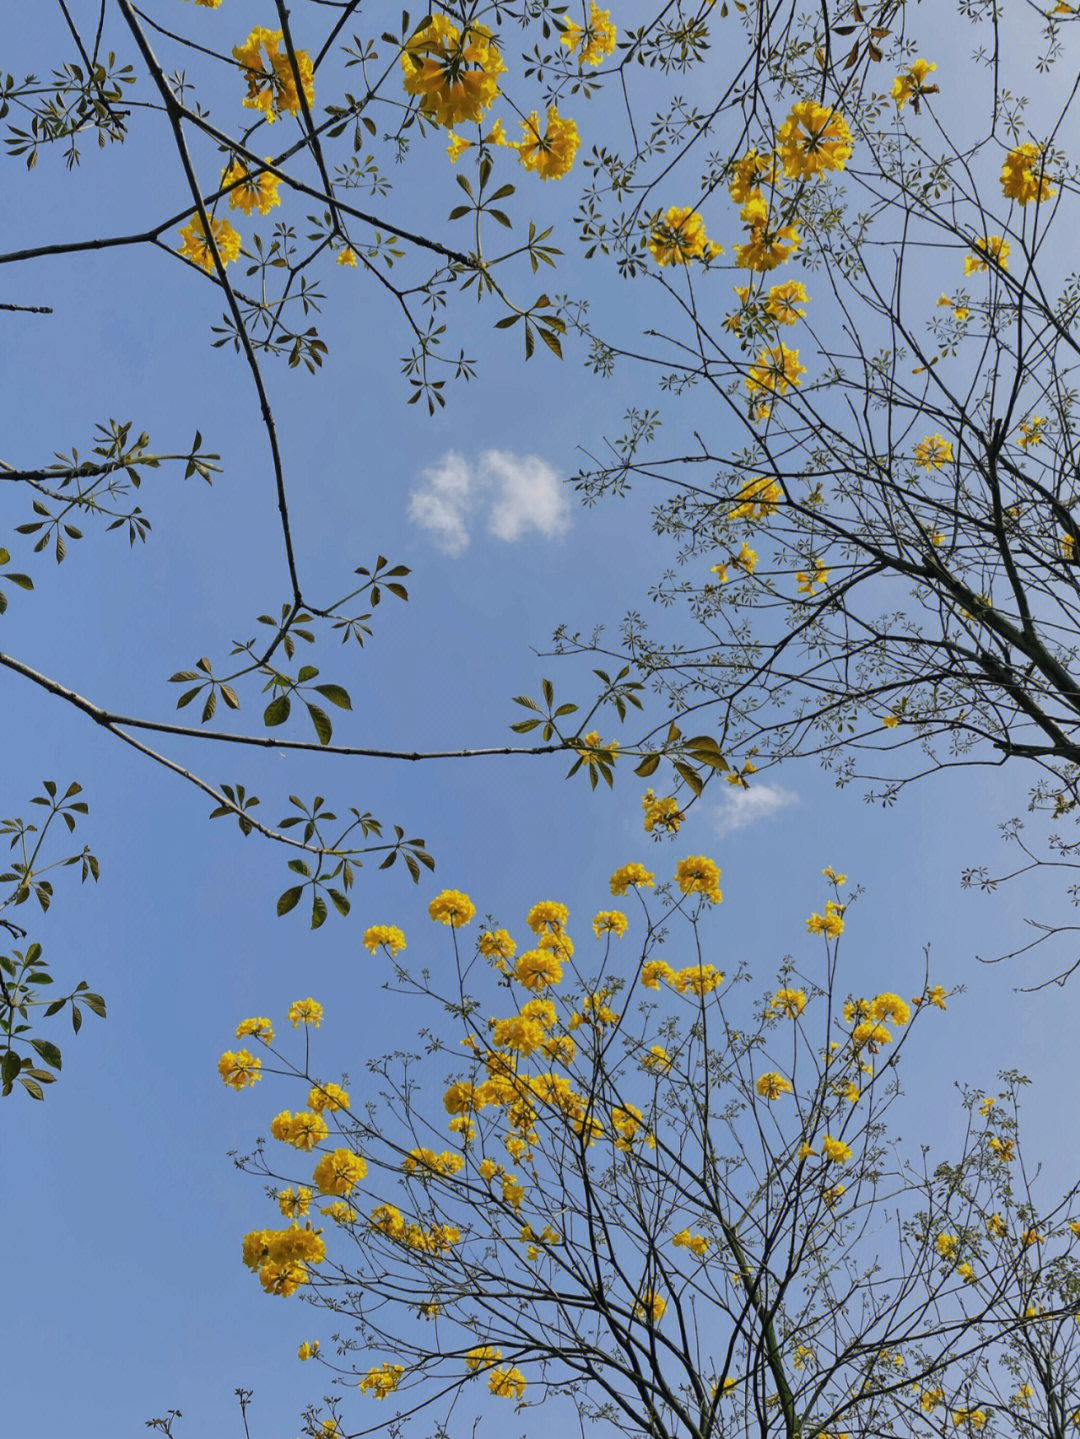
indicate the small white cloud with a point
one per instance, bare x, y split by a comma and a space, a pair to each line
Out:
443, 503
528, 495
740, 807
518, 493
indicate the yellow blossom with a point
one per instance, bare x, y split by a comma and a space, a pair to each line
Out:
340, 1172
610, 921
550, 155
507, 1383
813, 140
776, 368
271, 81
663, 813
790, 1002
347, 256
496, 944
635, 875
196, 246
384, 936
697, 979
294, 1204
651, 1307
699, 875
933, 452
911, 85
989, 247
454, 74
679, 236
240, 1069
382, 1380
1022, 175
835, 1150
258, 1028
327, 1096
253, 192
783, 302
452, 907
599, 37
773, 1085
537, 968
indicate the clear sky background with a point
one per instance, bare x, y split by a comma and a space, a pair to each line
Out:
124, 1290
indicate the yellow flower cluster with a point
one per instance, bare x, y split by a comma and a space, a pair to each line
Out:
507, 1383
305, 1011
384, 936
631, 875
253, 192
327, 1096
769, 242
302, 1131
240, 1069
789, 1002
271, 81
772, 1086
550, 155
281, 1256
776, 368
1023, 178
699, 875
987, 248
197, 246
835, 1150
911, 85
696, 979
295, 1204
661, 813
382, 1380
758, 498
452, 907
496, 944
454, 74
610, 921
830, 924
596, 39
426, 1161
650, 1307
339, 1173
696, 1243
259, 1028
679, 237
813, 140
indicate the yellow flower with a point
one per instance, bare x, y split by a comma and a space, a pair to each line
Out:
196, 246
760, 497
783, 302
655, 970
631, 874
790, 1002
1022, 177
830, 924
699, 875
340, 1172
547, 915
1003, 1148
426, 1161
293, 1205
770, 243
339, 1212
1032, 432
513, 1191
750, 172
537, 968
651, 1307
305, 1011
777, 367
835, 1150
308, 1350
259, 1028
387, 1219
890, 721
386, 936
975, 1417
831, 873
699, 979
482, 1357
271, 82
283, 1279
382, 1380
327, 1096
807, 582
657, 1060
910, 85
679, 237
457, 147
550, 155
599, 37
347, 256
452, 907
254, 192
996, 1227
663, 812
496, 944
610, 921
871, 1034
454, 74
966, 1273
507, 1383
947, 1245
933, 452
890, 1006
305, 1131
988, 247
772, 1086
696, 1243
240, 1069
813, 140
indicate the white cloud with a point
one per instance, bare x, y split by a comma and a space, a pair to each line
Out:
740, 807
517, 493
443, 503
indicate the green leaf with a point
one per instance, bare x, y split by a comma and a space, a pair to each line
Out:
76, 1018
336, 695
10, 1068
96, 1003
318, 911
321, 720
33, 1089
648, 766
48, 1051
277, 711
290, 899
691, 776
341, 904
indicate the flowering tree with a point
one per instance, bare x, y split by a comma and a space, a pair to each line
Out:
658, 1195
874, 521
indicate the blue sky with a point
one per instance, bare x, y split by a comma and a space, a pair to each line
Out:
129, 1285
